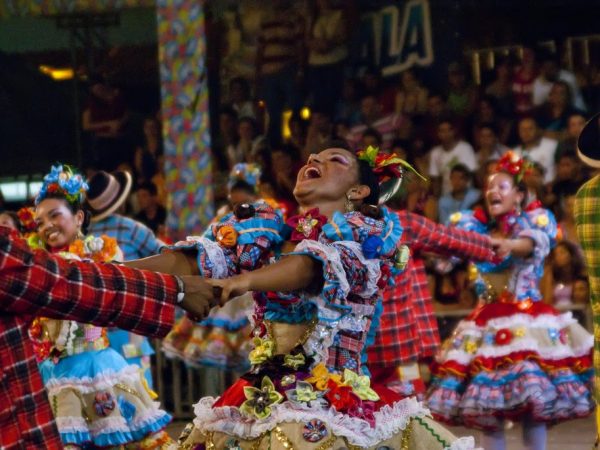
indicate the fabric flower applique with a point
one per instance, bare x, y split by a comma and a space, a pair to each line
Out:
372, 246
503, 336
259, 401
341, 397
104, 403
304, 396
307, 226
363, 410
227, 236
263, 350
294, 361
361, 385
321, 376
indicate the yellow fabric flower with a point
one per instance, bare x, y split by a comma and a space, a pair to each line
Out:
294, 361
263, 350
542, 220
470, 347
455, 217
361, 385
227, 236
259, 401
519, 332
320, 377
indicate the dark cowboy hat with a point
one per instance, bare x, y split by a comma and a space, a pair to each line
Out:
107, 193
588, 144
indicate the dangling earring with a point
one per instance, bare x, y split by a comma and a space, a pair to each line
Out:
349, 206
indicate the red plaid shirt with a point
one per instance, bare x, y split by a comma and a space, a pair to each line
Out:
408, 328
37, 283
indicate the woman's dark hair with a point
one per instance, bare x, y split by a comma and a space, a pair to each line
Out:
575, 269
366, 175
243, 186
74, 208
15, 219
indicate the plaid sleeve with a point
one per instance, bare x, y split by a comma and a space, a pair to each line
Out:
423, 234
587, 217
35, 282
145, 241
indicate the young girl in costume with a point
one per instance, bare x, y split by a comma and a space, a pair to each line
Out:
98, 399
313, 310
514, 357
222, 339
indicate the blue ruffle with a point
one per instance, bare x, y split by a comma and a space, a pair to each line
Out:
375, 321
338, 228
229, 325
392, 232
298, 312
84, 365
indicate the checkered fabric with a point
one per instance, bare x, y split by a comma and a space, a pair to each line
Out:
587, 217
135, 239
408, 328
33, 282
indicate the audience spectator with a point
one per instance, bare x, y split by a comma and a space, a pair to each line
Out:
280, 62
565, 266
104, 117
411, 97
428, 123
151, 213
373, 85
298, 132
501, 89
284, 170
522, 86
487, 144
461, 196
228, 134
249, 144
567, 218
534, 180
575, 123
536, 147
145, 160
570, 176
462, 96
581, 291
445, 156
320, 130
240, 99
487, 112
11, 220
327, 51
550, 73
372, 117
552, 116
347, 108
371, 137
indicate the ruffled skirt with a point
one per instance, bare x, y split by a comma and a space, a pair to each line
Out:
506, 361
220, 340
98, 399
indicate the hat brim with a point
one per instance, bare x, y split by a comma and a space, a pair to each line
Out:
125, 183
588, 144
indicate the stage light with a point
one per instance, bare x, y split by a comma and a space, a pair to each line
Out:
305, 113
57, 74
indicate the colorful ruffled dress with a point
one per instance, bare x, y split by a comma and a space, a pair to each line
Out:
98, 399
514, 355
307, 389
236, 242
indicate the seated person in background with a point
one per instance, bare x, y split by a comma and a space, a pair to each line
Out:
565, 266
152, 214
570, 175
581, 290
461, 196
575, 123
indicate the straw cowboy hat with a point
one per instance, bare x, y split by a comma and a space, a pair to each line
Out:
588, 144
107, 193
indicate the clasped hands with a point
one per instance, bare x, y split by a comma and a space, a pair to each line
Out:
202, 294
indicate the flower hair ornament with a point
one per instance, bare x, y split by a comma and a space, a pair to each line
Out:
63, 180
388, 168
247, 172
515, 165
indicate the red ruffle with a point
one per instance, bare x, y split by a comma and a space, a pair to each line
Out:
485, 313
234, 396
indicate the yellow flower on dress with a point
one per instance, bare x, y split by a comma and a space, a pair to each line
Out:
542, 220
361, 385
320, 377
263, 350
259, 401
470, 347
519, 332
455, 217
294, 361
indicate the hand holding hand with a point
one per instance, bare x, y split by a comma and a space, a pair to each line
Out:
231, 287
199, 297
502, 247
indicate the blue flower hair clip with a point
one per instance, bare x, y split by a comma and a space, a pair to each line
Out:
63, 180
247, 172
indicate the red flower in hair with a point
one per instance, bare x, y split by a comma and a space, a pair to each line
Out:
26, 217
514, 165
480, 215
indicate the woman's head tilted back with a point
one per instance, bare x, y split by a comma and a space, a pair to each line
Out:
59, 215
335, 175
506, 190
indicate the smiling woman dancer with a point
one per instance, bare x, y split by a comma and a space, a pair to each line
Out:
514, 357
307, 388
98, 399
